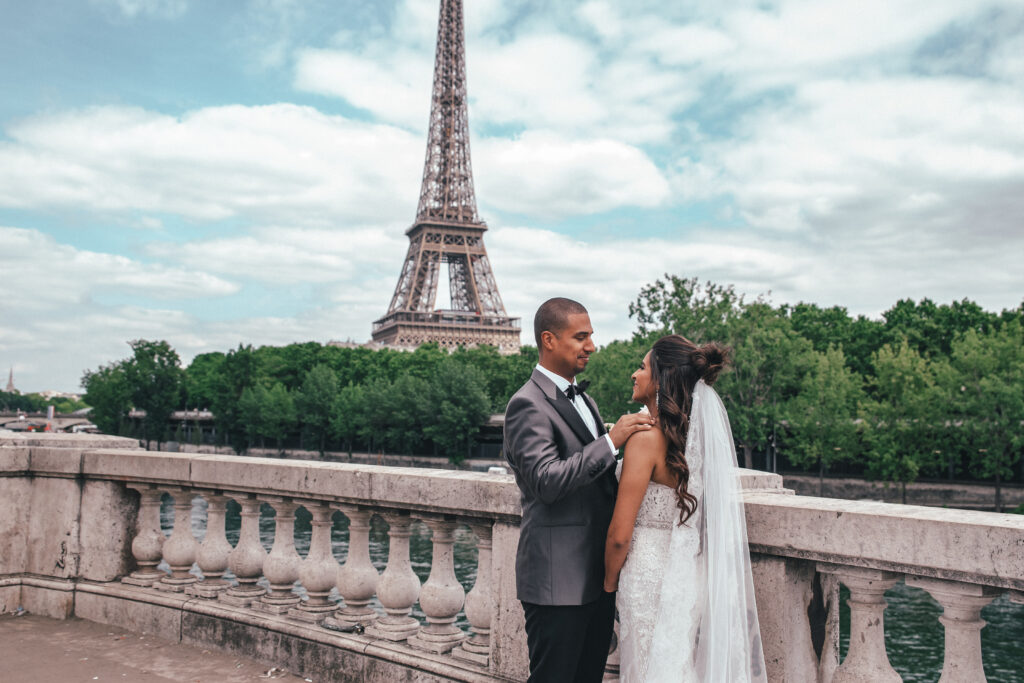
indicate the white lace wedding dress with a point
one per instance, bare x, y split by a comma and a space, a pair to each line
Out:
686, 598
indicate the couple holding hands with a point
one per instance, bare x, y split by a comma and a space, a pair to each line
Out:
645, 519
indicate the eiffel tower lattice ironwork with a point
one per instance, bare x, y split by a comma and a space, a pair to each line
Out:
447, 229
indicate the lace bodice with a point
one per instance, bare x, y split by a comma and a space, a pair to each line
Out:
658, 509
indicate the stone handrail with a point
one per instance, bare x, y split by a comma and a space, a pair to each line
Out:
84, 537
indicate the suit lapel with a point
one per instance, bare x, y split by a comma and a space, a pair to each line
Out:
601, 431
569, 413
563, 406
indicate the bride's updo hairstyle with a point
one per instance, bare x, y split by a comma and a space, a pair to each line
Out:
676, 366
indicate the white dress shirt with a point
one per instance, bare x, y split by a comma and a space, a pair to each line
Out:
579, 404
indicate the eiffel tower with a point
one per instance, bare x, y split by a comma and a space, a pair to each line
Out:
447, 229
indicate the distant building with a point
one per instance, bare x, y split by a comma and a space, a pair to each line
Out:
10, 383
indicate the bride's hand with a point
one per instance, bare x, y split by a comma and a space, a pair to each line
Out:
627, 425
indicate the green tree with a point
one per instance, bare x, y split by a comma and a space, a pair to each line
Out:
108, 393
903, 419
823, 415
986, 388
348, 414
377, 396
769, 361
239, 370
278, 415
315, 403
700, 313
202, 378
154, 376
459, 405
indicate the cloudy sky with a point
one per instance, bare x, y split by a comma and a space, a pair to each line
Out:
216, 173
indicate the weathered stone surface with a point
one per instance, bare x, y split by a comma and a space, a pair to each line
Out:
784, 589
53, 548
15, 504
137, 464
469, 492
108, 515
13, 459
56, 461
960, 545
509, 656
289, 478
54, 600
141, 617
10, 597
755, 480
64, 440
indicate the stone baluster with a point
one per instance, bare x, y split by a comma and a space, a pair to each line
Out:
357, 578
399, 586
866, 659
961, 616
282, 564
318, 571
442, 596
246, 560
214, 551
479, 602
180, 549
147, 546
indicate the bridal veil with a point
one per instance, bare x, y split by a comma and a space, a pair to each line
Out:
728, 647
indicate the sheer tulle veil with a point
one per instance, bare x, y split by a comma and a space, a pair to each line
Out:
728, 644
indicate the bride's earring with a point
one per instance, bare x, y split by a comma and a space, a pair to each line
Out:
657, 399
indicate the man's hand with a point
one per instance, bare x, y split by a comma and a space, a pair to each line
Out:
627, 425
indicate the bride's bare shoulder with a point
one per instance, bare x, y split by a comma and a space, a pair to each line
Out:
646, 443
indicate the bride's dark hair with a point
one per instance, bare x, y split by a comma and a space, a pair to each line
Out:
676, 366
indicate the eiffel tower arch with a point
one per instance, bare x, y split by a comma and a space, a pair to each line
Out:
447, 230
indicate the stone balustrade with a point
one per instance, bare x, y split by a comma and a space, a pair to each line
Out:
80, 535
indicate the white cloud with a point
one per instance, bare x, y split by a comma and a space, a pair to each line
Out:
271, 162
165, 9
543, 174
283, 256
40, 270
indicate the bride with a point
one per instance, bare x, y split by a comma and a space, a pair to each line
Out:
676, 550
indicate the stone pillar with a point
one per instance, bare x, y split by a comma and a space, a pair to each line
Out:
147, 546
784, 589
282, 564
961, 615
866, 661
442, 596
357, 578
214, 551
318, 571
399, 586
509, 657
479, 603
180, 548
246, 560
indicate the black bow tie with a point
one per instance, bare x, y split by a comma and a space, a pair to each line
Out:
575, 390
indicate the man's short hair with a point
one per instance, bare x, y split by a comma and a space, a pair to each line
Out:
553, 316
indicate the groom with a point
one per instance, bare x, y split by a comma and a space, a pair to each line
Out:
564, 462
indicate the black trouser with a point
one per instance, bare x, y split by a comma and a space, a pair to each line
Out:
569, 642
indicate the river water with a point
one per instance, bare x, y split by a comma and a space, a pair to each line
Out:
914, 636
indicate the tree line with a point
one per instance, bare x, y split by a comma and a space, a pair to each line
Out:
426, 401
927, 390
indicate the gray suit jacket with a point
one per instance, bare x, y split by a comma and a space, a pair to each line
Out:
568, 485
